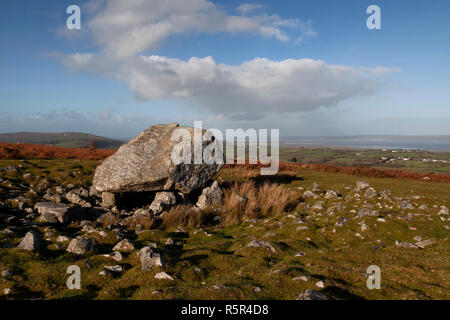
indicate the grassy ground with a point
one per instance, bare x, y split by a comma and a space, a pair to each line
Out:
370, 158
228, 269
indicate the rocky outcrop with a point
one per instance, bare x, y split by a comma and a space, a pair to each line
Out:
145, 164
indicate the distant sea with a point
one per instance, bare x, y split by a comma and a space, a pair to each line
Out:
430, 143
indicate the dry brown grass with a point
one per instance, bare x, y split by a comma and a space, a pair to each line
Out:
263, 201
183, 215
35, 151
356, 171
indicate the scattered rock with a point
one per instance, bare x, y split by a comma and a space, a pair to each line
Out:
310, 194
108, 200
443, 211
81, 246
361, 185
406, 204
30, 242
114, 269
180, 230
261, 244
366, 212
7, 291
370, 193
210, 197
312, 295
124, 245
163, 276
330, 194
53, 212
150, 258
320, 284
62, 239
7, 273
163, 201
75, 197
117, 256
405, 245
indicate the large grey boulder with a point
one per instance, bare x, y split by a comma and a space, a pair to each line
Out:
145, 164
53, 212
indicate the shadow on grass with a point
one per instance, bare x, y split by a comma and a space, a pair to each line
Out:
279, 179
339, 293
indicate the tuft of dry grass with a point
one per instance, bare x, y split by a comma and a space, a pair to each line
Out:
145, 221
263, 201
184, 215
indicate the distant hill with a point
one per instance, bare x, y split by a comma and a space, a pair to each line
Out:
436, 143
62, 139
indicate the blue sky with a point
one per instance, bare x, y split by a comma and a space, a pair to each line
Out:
306, 67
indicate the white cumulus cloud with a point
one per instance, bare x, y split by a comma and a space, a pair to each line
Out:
126, 28
248, 91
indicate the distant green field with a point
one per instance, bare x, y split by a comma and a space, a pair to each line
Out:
438, 162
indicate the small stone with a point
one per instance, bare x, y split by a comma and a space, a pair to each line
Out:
53, 212
163, 201
370, 193
30, 242
210, 197
150, 258
117, 256
163, 276
361, 185
7, 273
114, 269
330, 194
405, 245
312, 295
124, 245
302, 278
81, 246
7, 291
108, 200
320, 284
180, 230
261, 244
62, 239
